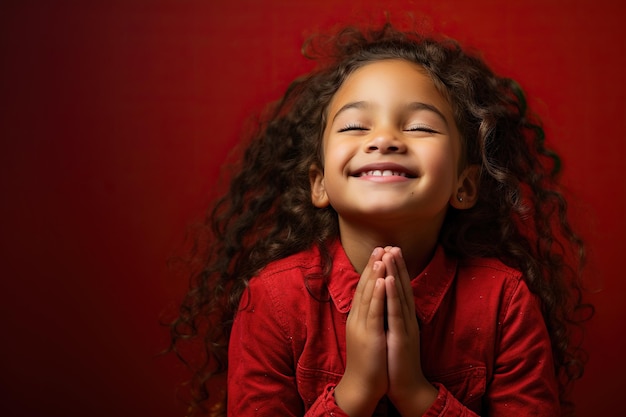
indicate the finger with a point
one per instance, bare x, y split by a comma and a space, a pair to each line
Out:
392, 269
376, 311
376, 256
400, 303
406, 290
364, 300
370, 268
390, 264
395, 310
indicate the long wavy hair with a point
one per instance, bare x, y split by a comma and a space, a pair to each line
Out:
266, 214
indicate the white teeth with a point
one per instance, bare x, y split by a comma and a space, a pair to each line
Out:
384, 173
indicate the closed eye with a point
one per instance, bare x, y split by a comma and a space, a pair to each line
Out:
352, 126
421, 128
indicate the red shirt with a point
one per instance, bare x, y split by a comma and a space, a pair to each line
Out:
484, 344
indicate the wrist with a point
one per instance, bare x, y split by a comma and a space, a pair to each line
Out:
415, 402
354, 401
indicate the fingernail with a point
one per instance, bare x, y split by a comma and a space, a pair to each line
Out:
376, 251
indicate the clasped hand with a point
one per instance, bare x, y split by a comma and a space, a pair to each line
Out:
382, 342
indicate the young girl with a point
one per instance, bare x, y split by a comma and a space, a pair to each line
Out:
394, 243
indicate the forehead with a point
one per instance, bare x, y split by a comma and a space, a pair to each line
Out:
386, 80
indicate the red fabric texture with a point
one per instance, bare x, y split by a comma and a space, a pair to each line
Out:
484, 344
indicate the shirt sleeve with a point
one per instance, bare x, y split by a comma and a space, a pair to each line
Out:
447, 406
262, 362
524, 381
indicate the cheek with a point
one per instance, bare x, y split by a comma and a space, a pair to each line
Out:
440, 162
337, 156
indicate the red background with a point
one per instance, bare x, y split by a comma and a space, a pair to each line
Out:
115, 117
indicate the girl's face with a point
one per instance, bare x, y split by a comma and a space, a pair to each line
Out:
391, 148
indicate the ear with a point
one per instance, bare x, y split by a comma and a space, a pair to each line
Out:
319, 198
467, 188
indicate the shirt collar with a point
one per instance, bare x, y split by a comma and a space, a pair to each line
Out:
429, 287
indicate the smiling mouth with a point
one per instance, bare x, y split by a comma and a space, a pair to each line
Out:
383, 173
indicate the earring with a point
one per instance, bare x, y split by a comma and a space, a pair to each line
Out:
459, 197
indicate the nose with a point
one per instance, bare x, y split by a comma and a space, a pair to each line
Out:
386, 141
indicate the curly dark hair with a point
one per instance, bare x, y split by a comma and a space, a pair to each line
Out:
267, 214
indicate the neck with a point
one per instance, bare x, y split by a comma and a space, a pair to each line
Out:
417, 244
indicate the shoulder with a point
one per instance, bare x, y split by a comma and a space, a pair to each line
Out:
282, 285
485, 266
489, 276
488, 271
304, 262
289, 271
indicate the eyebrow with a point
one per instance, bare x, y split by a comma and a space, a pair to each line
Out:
351, 105
418, 105
413, 106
